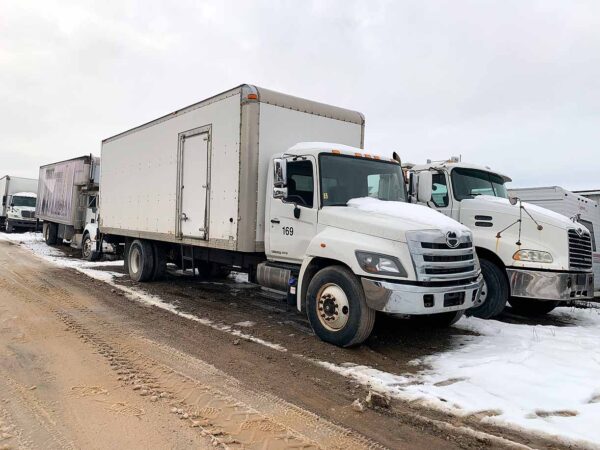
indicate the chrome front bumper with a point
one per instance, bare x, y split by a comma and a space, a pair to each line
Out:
396, 298
550, 285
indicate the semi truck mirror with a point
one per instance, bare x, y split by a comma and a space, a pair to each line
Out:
513, 200
424, 187
280, 173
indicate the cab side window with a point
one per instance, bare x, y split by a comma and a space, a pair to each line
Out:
439, 190
300, 183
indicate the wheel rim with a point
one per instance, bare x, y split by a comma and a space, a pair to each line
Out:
134, 259
87, 247
482, 294
333, 308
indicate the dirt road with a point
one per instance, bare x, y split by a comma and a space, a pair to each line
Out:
82, 366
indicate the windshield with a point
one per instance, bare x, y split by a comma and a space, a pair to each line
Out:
346, 177
24, 201
469, 183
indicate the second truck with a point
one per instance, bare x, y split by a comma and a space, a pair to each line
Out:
227, 183
531, 257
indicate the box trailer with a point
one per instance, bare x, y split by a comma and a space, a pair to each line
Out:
67, 202
244, 181
18, 203
577, 207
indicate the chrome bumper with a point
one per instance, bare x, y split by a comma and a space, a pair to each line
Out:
550, 285
396, 298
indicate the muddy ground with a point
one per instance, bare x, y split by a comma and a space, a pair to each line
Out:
83, 366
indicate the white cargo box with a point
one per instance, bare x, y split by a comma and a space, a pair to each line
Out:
198, 175
59, 187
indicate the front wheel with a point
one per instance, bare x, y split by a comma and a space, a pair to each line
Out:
494, 292
337, 309
87, 249
532, 308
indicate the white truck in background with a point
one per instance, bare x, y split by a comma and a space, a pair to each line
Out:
577, 207
67, 203
530, 256
227, 183
18, 203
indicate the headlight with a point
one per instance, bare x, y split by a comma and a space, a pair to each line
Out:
533, 256
380, 264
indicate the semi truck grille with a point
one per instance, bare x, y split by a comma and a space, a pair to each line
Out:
442, 257
28, 214
580, 250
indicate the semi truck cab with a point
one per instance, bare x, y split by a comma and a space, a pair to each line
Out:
342, 240
530, 256
20, 211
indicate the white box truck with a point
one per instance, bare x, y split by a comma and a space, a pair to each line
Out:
577, 207
67, 203
530, 256
18, 203
226, 183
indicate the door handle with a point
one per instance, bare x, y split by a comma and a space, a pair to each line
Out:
275, 221
184, 217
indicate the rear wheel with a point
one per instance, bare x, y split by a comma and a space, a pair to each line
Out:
337, 309
532, 308
140, 260
50, 233
494, 292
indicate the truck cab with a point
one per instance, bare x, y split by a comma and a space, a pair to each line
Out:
530, 256
343, 241
20, 211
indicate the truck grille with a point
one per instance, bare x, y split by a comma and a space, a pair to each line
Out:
580, 250
28, 214
442, 257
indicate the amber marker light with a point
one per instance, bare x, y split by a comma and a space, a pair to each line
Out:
252, 97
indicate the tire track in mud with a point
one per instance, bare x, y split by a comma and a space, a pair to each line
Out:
203, 397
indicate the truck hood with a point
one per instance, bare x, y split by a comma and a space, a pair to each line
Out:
387, 219
491, 205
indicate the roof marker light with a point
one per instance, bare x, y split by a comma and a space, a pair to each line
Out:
336, 152
252, 97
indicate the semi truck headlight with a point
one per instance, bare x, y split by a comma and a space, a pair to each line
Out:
380, 264
533, 256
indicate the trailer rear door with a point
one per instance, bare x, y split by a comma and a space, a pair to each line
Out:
193, 162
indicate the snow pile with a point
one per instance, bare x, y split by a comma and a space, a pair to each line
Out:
540, 378
416, 213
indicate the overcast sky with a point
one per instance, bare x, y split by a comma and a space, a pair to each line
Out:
514, 85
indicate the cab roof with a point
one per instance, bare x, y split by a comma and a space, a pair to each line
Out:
450, 165
336, 149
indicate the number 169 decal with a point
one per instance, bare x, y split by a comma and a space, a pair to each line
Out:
288, 231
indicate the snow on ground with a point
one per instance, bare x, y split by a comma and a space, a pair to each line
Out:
543, 378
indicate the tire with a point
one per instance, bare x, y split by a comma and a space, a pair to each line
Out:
496, 290
140, 259
160, 261
50, 233
532, 308
441, 320
333, 288
87, 249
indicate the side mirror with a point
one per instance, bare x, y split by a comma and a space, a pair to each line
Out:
424, 189
279, 173
513, 200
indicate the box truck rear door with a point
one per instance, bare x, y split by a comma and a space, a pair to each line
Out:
193, 184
